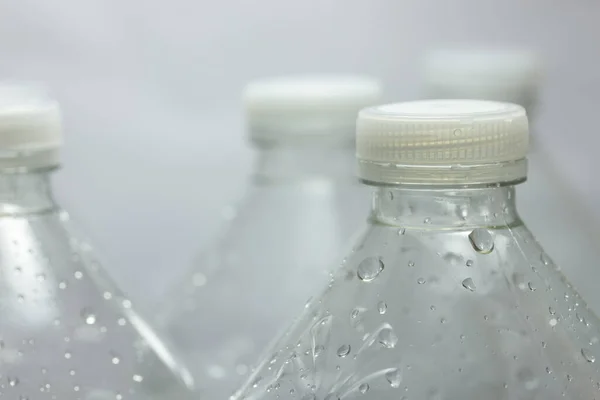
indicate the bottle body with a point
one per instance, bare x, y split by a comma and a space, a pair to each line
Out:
447, 295
277, 250
67, 332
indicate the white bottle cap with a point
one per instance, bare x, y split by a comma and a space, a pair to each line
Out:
30, 127
442, 142
501, 75
285, 108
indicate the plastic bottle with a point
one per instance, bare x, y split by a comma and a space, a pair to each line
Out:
66, 332
548, 202
301, 207
447, 295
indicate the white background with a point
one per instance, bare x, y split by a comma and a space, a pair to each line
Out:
150, 92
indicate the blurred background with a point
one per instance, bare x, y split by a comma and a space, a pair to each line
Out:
150, 91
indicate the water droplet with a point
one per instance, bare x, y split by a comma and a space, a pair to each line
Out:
256, 382
343, 350
369, 269
62, 285
319, 349
63, 216
88, 316
382, 307
78, 274
72, 372
553, 322
199, 279
469, 263
354, 314
137, 378
519, 280
411, 264
551, 310
432, 308
531, 286
126, 303
401, 231
544, 259
122, 321
41, 277
421, 281
13, 381
115, 359
394, 378
76, 388
364, 388
68, 355
468, 284
588, 356
482, 241
107, 295
388, 338
20, 298
427, 220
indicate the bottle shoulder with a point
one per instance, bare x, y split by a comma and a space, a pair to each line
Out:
440, 309
61, 310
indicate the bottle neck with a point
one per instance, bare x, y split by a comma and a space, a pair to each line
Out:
445, 208
26, 192
283, 162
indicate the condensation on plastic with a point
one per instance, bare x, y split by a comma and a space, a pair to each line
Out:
447, 295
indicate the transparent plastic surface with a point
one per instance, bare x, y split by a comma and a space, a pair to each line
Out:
561, 223
66, 332
301, 208
446, 296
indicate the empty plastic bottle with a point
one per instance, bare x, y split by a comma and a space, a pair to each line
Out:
302, 205
65, 331
548, 202
447, 295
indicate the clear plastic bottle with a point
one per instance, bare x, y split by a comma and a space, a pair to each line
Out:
447, 295
66, 332
303, 204
547, 200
